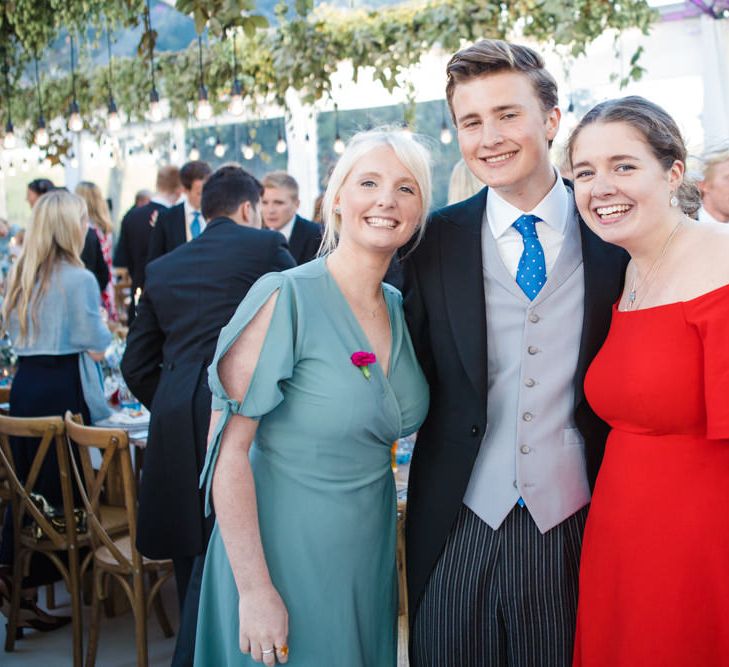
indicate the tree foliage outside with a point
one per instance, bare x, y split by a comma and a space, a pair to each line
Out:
301, 53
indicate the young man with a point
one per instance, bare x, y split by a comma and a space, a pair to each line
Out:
715, 188
508, 298
183, 222
279, 204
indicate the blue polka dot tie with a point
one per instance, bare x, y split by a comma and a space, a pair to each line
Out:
195, 225
531, 274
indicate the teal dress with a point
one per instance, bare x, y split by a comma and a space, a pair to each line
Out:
321, 464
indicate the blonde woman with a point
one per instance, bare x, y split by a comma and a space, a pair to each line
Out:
52, 314
100, 221
301, 563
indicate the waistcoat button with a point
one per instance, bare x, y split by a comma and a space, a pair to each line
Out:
532, 349
530, 382
525, 449
527, 416
474, 430
534, 318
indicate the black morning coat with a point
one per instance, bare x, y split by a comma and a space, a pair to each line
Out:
190, 294
305, 240
446, 315
169, 232
133, 245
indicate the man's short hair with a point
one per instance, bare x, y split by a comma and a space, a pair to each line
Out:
227, 189
168, 179
711, 160
197, 170
489, 56
280, 179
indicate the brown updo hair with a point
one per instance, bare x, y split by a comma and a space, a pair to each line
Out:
659, 131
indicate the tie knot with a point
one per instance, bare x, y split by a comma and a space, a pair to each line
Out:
526, 225
196, 216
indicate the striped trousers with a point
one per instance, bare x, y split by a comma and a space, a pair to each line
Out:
505, 597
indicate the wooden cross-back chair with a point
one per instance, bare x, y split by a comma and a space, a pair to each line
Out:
52, 542
116, 557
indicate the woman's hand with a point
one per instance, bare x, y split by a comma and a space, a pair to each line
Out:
264, 625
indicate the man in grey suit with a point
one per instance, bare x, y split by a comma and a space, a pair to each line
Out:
508, 298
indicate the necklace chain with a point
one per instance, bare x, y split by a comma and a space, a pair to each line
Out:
634, 286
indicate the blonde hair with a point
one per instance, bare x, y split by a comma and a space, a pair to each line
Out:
463, 183
711, 160
414, 156
97, 207
55, 234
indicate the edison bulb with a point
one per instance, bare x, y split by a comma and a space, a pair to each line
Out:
248, 152
338, 145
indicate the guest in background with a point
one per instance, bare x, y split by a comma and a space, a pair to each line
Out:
37, 188
100, 222
190, 294
654, 578
299, 461
279, 204
715, 188
136, 229
463, 183
183, 222
52, 313
142, 198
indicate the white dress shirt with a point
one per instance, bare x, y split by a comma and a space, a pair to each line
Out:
705, 216
288, 228
189, 210
554, 210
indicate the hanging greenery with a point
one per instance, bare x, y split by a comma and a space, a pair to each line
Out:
302, 53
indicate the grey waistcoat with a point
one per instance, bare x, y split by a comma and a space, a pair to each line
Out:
531, 447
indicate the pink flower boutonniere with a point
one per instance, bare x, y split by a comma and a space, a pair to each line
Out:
362, 360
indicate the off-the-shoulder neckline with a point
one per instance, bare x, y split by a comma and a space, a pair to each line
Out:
673, 303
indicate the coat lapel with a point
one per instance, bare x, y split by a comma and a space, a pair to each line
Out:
296, 240
462, 271
604, 271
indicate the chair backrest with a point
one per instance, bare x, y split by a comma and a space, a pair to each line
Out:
116, 459
50, 432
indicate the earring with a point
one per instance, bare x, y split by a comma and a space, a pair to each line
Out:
674, 200
337, 210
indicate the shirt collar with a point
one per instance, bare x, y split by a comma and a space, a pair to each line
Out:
554, 209
189, 210
705, 216
288, 228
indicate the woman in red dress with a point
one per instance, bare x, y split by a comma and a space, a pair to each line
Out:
654, 580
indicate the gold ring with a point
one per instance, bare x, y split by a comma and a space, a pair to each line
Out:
284, 650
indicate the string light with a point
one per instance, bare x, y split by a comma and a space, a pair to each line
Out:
41, 137
75, 122
203, 111
220, 147
338, 143
235, 108
445, 132
155, 112
113, 121
194, 152
280, 142
247, 148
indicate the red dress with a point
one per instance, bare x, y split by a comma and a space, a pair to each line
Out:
654, 577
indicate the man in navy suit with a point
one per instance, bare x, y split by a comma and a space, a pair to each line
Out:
136, 229
185, 221
190, 294
279, 204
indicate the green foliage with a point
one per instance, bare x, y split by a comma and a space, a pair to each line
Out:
302, 53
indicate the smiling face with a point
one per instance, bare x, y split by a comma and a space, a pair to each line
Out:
504, 135
621, 189
380, 203
278, 206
